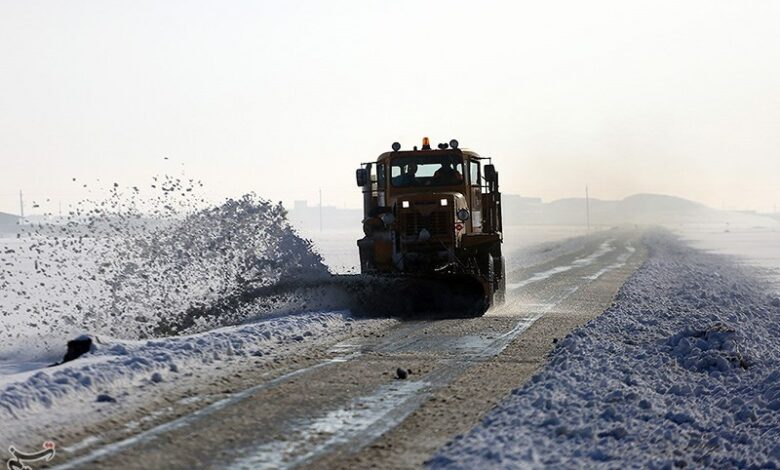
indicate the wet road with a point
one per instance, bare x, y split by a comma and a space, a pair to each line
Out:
345, 408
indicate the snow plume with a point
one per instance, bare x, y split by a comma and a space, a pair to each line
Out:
682, 371
134, 263
212, 254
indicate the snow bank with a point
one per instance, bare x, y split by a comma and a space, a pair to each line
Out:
682, 371
113, 366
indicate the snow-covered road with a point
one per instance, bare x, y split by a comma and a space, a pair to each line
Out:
339, 400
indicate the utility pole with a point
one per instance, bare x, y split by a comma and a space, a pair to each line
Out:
587, 207
21, 207
320, 209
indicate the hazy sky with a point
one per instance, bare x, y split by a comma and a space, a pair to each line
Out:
285, 97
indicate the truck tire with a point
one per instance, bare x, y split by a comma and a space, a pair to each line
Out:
487, 271
499, 274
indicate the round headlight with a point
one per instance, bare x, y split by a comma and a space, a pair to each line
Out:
454, 143
396, 146
463, 215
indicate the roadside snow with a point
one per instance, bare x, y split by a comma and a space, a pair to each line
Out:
682, 371
115, 366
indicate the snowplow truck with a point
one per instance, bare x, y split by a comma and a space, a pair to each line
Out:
432, 218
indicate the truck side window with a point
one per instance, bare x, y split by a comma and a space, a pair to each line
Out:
474, 170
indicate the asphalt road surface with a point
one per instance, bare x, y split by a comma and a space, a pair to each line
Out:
342, 406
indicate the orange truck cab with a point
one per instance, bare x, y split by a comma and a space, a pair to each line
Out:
433, 212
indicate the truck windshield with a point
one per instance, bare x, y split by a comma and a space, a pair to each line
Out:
426, 170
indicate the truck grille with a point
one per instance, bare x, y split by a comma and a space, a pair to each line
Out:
438, 223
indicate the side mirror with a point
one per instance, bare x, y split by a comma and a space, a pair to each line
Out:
490, 173
361, 175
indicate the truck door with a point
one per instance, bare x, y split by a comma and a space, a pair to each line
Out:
475, 196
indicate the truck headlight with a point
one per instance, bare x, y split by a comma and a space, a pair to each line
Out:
405, 204
443, 202
463, 215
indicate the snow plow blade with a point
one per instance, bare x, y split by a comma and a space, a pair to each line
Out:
447, 296
450, 296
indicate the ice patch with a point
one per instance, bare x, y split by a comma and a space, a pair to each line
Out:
338, 426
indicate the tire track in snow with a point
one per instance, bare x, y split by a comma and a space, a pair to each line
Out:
366, 418
602, 250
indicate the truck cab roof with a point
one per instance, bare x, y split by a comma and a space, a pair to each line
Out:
468, 154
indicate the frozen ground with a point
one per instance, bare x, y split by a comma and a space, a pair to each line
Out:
757, 246
682, 371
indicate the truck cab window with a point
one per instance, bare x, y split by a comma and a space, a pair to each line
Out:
426, 170
474, 172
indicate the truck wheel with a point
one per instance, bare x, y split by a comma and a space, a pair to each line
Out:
487, 272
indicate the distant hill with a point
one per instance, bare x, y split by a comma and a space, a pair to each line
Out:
642, 209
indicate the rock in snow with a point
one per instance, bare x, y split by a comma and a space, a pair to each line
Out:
105, 398
77, 348
682, 371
